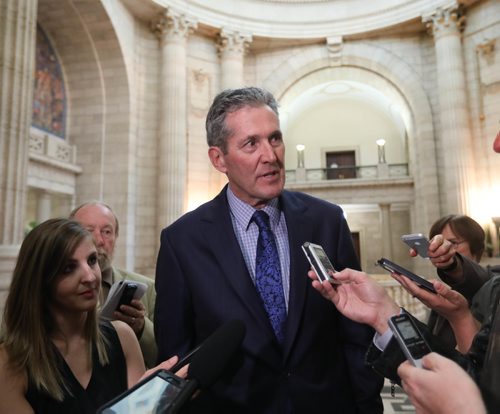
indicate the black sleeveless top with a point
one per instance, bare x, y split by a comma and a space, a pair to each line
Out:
106, 382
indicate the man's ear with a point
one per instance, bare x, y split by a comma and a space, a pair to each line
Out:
217, 159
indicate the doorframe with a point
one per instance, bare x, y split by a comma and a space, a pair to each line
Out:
325, 150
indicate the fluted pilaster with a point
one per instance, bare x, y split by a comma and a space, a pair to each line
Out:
172, 30
446, 24
17, 54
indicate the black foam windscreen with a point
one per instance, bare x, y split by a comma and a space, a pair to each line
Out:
216, 352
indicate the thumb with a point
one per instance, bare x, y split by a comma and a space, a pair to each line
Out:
433, 361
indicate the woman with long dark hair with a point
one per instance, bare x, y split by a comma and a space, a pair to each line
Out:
55, 354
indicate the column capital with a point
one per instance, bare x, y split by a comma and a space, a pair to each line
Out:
169, 23
449, 17
233, 41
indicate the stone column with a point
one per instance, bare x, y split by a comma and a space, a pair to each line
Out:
172, 30
17, 58
457, 170
232, 47
44, 206
386, 230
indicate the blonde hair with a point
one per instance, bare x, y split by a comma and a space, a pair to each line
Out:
27, 321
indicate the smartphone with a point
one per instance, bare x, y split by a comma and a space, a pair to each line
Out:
409, 338
127, 294
319, 262
154, 394
418, 242
393, 267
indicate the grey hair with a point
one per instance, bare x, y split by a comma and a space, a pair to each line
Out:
94, 203
231, 100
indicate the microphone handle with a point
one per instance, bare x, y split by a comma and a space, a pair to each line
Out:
186, 393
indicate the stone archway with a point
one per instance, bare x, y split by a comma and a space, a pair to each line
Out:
99, 108
394, 78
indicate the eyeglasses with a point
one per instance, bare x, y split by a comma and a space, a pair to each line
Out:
457, 243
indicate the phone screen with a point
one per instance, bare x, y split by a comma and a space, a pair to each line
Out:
323, 258
153, 396
413, 340
319, 261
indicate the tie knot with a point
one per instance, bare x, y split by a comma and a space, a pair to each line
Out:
261, 218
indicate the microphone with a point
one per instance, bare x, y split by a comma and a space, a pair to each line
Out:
210, 360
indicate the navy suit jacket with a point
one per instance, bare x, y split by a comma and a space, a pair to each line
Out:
202, 281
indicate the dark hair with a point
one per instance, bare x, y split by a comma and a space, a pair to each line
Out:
231, 100
464, 227
27, 321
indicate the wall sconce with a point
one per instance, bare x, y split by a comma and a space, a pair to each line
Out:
300, 155
381, 151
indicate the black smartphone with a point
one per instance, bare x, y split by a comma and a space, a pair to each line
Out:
319, 262
154, 394
409, 338
393, 267
127, 294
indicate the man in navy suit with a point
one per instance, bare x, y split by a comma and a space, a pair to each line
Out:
206, 273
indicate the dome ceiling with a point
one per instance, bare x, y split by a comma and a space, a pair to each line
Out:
305, 18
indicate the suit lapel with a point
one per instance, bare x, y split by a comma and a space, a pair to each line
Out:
218, 229
299, 230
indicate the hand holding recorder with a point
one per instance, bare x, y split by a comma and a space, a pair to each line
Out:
410, 339
320, 262
427, 393
358, 297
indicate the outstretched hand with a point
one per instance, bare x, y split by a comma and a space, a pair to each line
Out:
166, 365
427, 393
359, 298
441, 252
447, 302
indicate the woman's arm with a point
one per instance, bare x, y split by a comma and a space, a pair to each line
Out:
133, 356
14, 386
132, 352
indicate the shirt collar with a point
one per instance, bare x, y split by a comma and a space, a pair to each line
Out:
107, 276
243, 212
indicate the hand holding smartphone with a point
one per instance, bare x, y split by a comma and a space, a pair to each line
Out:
395, 268
154, 394
319, 262
409, 338
127, 294
418, 242
122, 293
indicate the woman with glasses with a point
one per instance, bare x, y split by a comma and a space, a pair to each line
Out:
468, 239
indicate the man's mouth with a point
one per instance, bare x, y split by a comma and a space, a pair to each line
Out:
270, 174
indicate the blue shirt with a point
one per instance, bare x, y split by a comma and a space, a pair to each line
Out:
247, 233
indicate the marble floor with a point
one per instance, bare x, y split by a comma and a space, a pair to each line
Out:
399, 404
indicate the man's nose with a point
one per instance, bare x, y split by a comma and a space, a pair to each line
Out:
268, 152
98, 239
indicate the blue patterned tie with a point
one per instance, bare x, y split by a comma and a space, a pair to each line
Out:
268, 275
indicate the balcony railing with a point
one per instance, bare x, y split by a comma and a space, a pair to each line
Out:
348, 172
